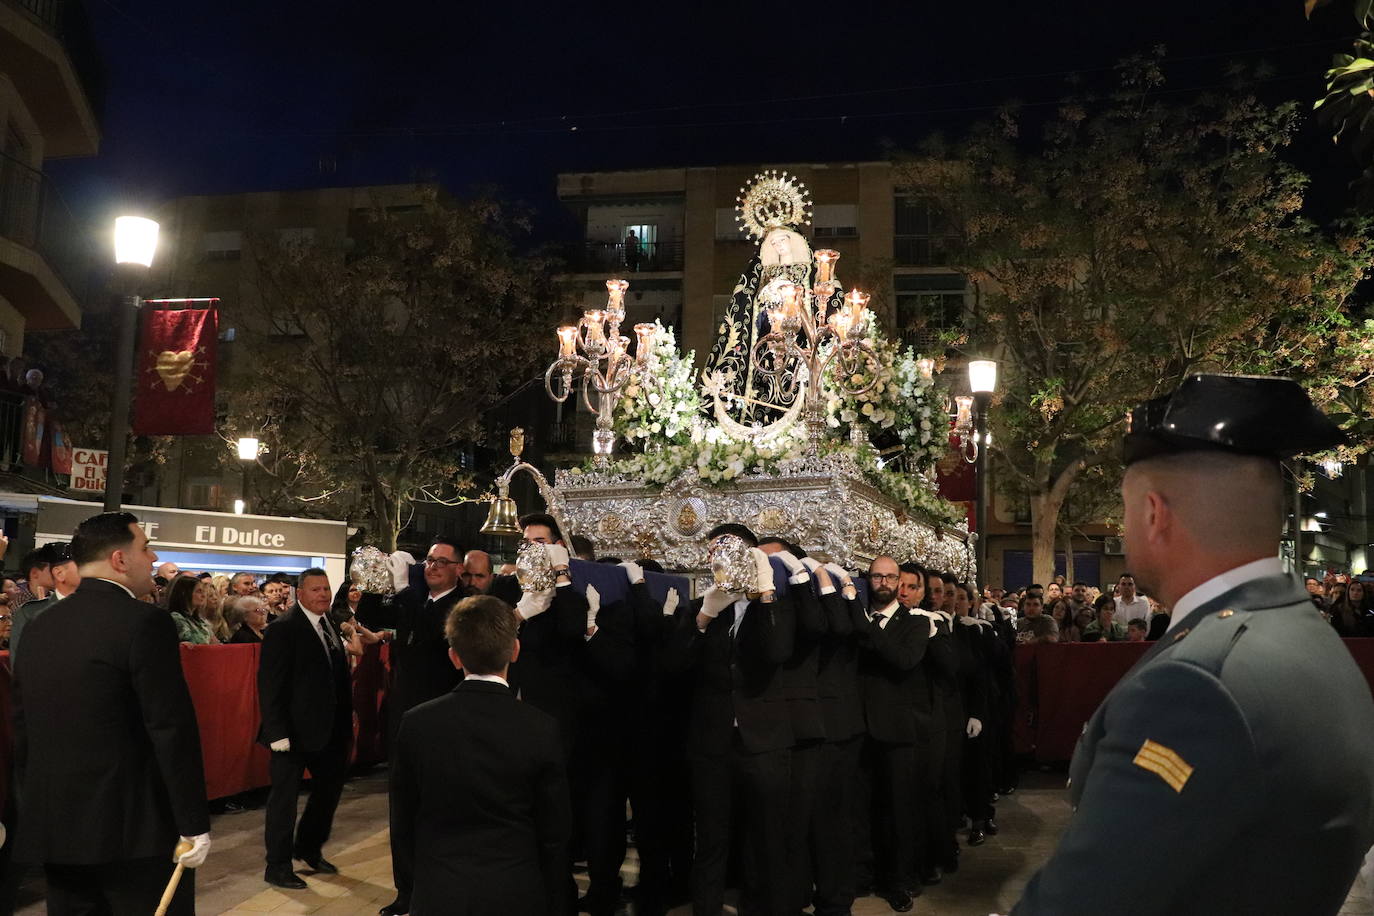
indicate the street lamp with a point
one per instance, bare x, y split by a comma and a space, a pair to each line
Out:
982, 381
135, 241
248, 451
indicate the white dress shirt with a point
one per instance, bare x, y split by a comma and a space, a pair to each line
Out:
120, 584
315, 625
885, 614
1126, 611
1220, 585
490, 678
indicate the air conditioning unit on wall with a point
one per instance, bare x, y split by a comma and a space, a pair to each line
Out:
1113, 547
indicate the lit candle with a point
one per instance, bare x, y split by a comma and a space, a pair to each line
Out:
840, 323
567, 340
617, 348
856, 301
593, 320
644, 335
825, 264
615, 294
926, 366
963, 415
789, 293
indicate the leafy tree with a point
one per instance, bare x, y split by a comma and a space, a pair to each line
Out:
365, 375
1137, 238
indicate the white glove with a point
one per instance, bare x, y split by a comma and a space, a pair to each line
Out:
633, 571
811, 563
838, 572
794, 565
670, 603
593, 606
974, 728
557, 554
281, 745
195, 856
532, 604
764, 583
715, 600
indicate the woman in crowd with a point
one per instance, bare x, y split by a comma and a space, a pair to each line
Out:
247, 616
1347, 612
343, 611
1062, 612
187, 601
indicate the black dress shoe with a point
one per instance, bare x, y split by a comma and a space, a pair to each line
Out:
283, 876
976, 837
898, 900
990, 827
319, 864
397, 907
932, 875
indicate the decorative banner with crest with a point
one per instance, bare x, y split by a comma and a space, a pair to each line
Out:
175, 388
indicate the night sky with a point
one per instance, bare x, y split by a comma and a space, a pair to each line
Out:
216, 98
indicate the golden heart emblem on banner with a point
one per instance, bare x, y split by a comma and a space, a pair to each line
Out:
173, 367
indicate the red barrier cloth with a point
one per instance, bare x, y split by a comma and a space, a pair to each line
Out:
174, 393
224, 689
371, 677
1072, 679
6, 736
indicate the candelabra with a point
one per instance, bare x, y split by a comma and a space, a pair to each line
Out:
594, 351
804, 328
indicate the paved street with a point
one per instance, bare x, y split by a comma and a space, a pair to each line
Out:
989, 881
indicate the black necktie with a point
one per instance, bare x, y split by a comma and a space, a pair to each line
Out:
329, 642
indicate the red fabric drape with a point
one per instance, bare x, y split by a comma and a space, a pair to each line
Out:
1059, 687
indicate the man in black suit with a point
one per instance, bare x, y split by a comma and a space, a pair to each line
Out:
306, 697
479, 793
419, 656
739, 737
891, 645
106, 744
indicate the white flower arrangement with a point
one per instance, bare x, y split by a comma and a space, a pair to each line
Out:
901, 404
660, 412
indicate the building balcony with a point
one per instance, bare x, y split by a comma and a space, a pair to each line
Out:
615, 258
45, 255
47, 49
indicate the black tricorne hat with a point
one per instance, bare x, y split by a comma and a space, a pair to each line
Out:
1259, 415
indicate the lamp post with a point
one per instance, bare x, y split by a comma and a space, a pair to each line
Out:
248, 452
135, 241
982, 381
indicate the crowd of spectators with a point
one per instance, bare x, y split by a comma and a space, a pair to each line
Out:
1347, 602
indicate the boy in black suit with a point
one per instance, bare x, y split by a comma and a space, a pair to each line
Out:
479, 792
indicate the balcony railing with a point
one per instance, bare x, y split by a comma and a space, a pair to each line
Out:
11, 429
34, 215
924, 250
67, 20
594, 257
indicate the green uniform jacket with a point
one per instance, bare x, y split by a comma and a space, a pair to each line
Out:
1230, 771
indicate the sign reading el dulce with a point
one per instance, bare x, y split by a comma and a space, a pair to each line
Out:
207, 530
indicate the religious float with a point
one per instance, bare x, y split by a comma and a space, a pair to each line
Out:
807, 422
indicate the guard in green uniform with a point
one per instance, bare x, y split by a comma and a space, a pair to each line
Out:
1232, 770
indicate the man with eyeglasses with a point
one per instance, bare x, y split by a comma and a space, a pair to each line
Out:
892, 644
65, 579
419, 656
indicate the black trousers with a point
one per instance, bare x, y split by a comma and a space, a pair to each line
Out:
894, 814
977, 777
753, 789
832, 824
599, 810
930, 816
328, 767
129, 888
806, 774
656, 775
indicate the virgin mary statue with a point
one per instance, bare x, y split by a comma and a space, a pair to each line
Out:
772, 208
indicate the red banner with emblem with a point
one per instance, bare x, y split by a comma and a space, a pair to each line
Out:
35, 430
174, 392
